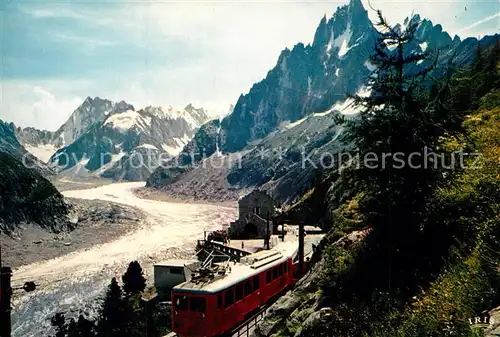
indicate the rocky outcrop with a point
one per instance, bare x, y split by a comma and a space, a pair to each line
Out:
300, 311
33, 136
28, 197
10, 144
204, 144
284, 129
305, 79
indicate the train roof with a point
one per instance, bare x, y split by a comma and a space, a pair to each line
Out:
248, 267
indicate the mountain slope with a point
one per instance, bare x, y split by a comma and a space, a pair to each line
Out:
37, 142
284, 128
10, 144
28, 197
305, 79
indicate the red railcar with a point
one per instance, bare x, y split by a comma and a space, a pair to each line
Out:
213, 305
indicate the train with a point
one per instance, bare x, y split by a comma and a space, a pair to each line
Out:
217, 299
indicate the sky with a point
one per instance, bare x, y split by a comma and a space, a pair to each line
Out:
56, 53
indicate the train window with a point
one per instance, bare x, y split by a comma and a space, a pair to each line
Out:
248, 288
219, 301
239, 292
275, 273
198, 304
229, 300
255, 283
181, 303
269, 276
177, 270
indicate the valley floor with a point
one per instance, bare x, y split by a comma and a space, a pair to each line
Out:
77, 279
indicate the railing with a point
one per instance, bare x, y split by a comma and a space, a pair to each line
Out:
235, 253
249, 326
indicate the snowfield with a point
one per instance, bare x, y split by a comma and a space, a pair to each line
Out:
75, 281
42, 152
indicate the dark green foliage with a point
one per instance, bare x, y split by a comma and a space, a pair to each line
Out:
396, 119
133, 280
59, 322
112, 321
81, 328
162, 318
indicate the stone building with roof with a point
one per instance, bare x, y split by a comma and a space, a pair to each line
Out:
254, 209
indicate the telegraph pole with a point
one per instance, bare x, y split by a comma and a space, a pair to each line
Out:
148, 302
268, 233
283, 231
5, 295
301, 248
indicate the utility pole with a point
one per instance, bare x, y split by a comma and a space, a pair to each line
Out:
148, 302
5, 296
268, 233
301, 248
283, 231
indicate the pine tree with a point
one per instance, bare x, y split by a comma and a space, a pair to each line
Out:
111, 321
133, 279
81, 328
59, 322
72, 328
397, 125
85, 327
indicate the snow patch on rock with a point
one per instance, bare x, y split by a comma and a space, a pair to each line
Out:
126, 120
342, 42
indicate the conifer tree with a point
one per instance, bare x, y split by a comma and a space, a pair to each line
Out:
81, 328
398, 124
111, 320
59, 322
133, 279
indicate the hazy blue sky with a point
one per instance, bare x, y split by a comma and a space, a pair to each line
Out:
56, 53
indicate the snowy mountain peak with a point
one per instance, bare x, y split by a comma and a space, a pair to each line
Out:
195, 117
122, 106
91, 111
157, 111
356, 8
125, 121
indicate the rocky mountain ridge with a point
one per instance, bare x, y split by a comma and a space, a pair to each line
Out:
9, 144
281, 130
127, 144
116, 132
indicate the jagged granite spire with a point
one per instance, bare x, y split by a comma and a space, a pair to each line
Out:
312, 78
